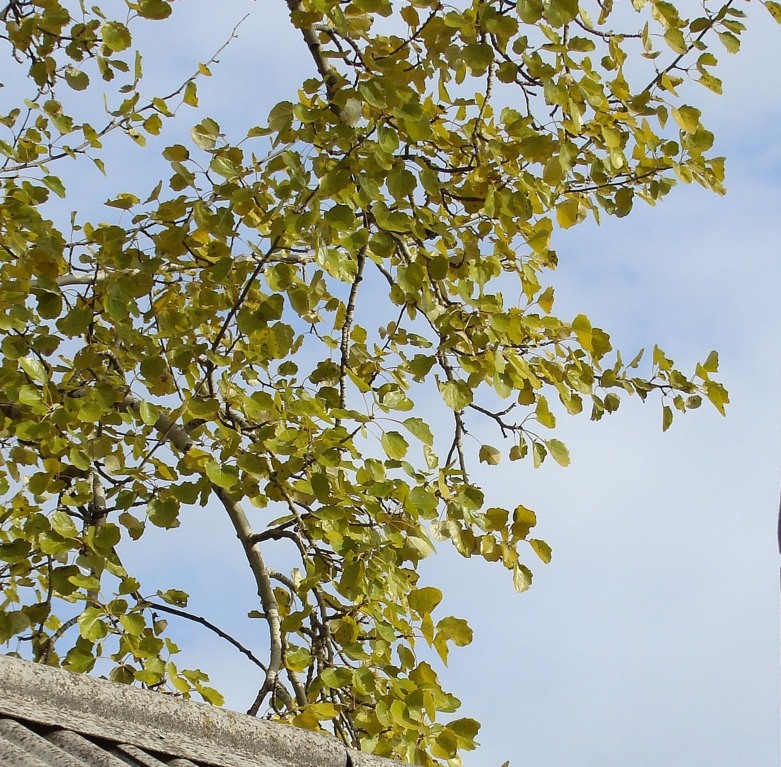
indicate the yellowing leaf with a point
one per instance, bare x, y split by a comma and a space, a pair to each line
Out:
567, 213
455, 630
541, 549
688, 118
522, 578
774, 9
424, 600
489, 455
711, 364
124, 201
191, 94
667, 417
559, 451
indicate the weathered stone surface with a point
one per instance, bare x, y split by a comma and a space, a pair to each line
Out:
161, 723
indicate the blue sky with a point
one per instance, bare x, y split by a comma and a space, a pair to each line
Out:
652, 637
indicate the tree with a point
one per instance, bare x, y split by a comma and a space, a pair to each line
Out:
303, 323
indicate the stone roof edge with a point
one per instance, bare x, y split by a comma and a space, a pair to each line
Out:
162, 723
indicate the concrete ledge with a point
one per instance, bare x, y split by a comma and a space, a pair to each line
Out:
155, 722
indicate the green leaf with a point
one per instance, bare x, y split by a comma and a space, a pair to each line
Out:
176, 153
55, 184
401, 184
420, 429
123, 201
163, 513
35, 369
340, 217
49, 305
210, 695
421, 545
154, 9
205, 134
388, 138
731, 42
14, 551
221, 475
91, 624
116, 36
456, 394
133, 623
281, 117
149, 413
63, 524
466, 730
174, 597
77, 79
394, 445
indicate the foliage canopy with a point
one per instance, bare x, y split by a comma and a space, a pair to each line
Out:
301, 325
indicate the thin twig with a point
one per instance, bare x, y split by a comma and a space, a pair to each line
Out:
207, 624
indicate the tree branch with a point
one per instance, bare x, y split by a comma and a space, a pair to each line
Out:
207, 624
349, 314
309, 33
268, 600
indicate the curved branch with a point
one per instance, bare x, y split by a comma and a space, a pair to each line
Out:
207, 624
268, 600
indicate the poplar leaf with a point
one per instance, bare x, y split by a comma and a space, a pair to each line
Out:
221, 475
394, 444
522, 578
456, 394
35, 369
541, 549
559, 451
489, 455
420, 429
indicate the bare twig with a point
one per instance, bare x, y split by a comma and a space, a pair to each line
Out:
207, 624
